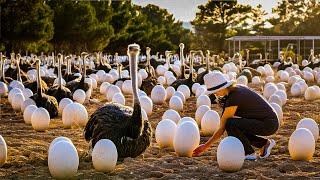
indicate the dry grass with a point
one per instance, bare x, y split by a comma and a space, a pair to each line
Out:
27, 150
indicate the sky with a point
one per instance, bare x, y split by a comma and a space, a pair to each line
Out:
185, 10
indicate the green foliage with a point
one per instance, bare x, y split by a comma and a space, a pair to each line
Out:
26, 24
218, 20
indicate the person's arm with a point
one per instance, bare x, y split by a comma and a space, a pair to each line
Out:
228, 113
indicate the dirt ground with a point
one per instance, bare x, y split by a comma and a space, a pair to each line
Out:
27, 150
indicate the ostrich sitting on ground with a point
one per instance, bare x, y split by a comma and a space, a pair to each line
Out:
123, 125
42, 100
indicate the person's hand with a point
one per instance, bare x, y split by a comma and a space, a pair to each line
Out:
199, 150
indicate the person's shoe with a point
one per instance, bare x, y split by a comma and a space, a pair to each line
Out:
251, 157
267, 149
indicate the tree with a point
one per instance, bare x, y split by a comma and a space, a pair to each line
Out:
218, 20
26, 25
78, 28
290, 14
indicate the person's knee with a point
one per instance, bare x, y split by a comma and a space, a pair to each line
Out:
230, 123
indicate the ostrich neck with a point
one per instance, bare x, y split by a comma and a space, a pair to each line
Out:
69, 66
191, 68
207, 63
136, 118
39, 88
119, 71
18, 71
134, 79
182, 63
1, 68
84, 73
59, 72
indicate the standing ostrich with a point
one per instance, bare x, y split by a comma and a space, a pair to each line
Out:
201, 75
123, 125
189, 82
59, 91
151, 81
79, 82
102, 64
42, 100
3, 77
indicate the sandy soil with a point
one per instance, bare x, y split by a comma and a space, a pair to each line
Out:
27, 150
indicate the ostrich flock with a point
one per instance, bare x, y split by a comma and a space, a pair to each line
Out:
48, 86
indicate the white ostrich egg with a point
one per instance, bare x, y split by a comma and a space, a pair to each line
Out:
256, 80
143, 74
27, 93
176, 103
172, 115
185, 90
230, 154
194, 87
171, 80
40, 119
180, 95
281, 86
28, 113
203, 100
270, 79
108, 78
104, 155
161, 80
295, 90
308, 76
12, 93
27, 103
185, 119
284, 76
119, 98
278, 111
3, 89
304, 62
161, 70
79, 95
104, 87
201, 90
293, 79
146, 104
310, 93
127, 87
158, 94
63, 160
283, 96
200, 112
112, 90
3, 151
168, 74
269, 90
17, 101
303, 86
74, 113
186, 139
63, 103
243, 80
165, 132
301, 144
170, 91
58, 139
275, 99
310, 124
210, 122
261, 70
